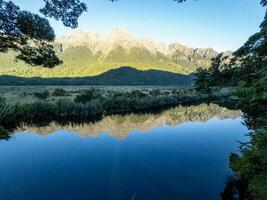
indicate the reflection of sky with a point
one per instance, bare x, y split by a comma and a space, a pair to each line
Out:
223, 25
182, 162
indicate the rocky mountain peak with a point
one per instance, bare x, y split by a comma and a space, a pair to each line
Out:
120, 36
120, 33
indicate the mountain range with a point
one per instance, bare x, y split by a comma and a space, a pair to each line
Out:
88, 53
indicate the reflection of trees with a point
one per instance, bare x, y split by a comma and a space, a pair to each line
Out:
120, 126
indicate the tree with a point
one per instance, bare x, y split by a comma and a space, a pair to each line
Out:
203, 81
30, 34
215, 67
68, 11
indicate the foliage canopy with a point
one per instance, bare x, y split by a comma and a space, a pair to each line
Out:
30, 34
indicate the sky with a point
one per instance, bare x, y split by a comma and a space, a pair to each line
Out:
219, 24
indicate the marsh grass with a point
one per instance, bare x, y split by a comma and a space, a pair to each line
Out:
90, 104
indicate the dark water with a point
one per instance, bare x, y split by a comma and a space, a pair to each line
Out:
185, 161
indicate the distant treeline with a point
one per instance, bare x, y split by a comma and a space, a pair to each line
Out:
122, 76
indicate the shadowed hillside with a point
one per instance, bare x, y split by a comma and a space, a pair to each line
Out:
121, 76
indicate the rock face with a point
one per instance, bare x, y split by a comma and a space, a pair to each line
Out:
87, 53
120, 37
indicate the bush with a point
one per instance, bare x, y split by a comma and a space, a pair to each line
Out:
42, 95
136, 94
3, 134
251, 167
252, 95
87, 96
59, 92
155, 92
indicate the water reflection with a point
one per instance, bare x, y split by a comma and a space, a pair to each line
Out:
183, 155
120, 126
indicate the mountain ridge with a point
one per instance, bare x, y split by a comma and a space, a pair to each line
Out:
87, 53
121, 37
115, 77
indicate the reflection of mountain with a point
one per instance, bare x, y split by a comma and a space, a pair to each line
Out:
120, 126
121, 76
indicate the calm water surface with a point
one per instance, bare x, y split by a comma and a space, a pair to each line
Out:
121, 158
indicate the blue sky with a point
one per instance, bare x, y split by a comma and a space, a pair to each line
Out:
220, 24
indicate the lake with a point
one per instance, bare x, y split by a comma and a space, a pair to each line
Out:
181, 153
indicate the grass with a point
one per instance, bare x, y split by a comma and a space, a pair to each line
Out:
25, 94
86, 103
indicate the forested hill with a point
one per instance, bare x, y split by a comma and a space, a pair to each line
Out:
121, 76
87, 53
